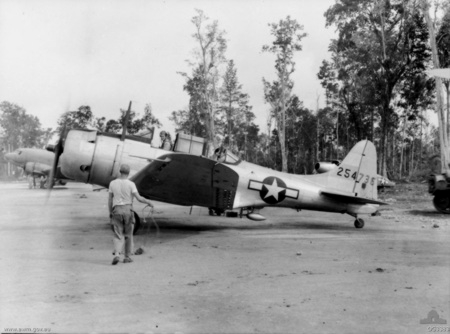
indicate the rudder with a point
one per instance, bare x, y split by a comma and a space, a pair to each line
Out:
357, 173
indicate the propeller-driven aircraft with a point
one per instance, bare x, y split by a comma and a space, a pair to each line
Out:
35, 163
185, 176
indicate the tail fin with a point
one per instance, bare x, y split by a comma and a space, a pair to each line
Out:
356, 175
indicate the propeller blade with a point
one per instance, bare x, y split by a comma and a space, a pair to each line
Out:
125, 123
58, 150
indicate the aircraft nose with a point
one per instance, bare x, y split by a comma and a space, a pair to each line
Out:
9, 157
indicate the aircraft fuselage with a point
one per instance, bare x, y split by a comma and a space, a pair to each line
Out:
95, 158
33, 160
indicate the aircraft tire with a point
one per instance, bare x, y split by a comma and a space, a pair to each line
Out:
219, 212
137, 223
441, 201
359, 223
216, 212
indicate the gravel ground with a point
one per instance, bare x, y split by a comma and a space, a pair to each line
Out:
296, 272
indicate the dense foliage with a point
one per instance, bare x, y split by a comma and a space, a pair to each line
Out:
375, 83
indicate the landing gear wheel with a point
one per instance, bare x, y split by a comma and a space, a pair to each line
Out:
216, 212
441, 202
359, 223
137, 222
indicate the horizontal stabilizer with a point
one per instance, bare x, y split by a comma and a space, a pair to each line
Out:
351, 199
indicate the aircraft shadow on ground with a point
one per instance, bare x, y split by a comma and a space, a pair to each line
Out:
167, 225
428, 213
45, 189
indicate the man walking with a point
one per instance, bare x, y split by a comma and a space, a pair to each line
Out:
120, 203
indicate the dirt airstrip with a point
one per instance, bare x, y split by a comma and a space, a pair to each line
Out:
296, 272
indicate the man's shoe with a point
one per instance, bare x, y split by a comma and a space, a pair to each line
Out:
127, 260
115, 260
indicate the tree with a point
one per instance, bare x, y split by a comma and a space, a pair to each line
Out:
300, 137
21, 129
287, 41
442, 119
191, 120
135, 125
376, 48
234, 105
209, 55
83, 118
335, 96
248, 142
415, 89
443, 50
327, 75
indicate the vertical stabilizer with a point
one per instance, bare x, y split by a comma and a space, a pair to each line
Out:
357, 174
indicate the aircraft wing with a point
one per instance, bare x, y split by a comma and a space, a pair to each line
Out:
348, 198
39, 173
36, 169
186, 179
45, 171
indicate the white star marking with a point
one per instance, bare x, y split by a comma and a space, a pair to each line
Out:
273, 190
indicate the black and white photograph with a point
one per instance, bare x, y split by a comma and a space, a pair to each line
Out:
225, 166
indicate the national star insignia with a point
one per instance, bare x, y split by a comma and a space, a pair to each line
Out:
273, 190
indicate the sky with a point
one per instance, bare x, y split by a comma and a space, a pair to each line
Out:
56, 55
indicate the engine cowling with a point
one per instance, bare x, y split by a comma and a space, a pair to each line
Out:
88, 158
324, 167
93, 157
50, 148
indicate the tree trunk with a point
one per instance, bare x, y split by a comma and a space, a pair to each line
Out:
371, 129
337, 135
421, 141
385, 110
282, 124
443, 135
402, 148
447, 90
411, 164
384, 131
394, 154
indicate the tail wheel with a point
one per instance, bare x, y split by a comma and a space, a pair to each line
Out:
359, 223
441, 202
